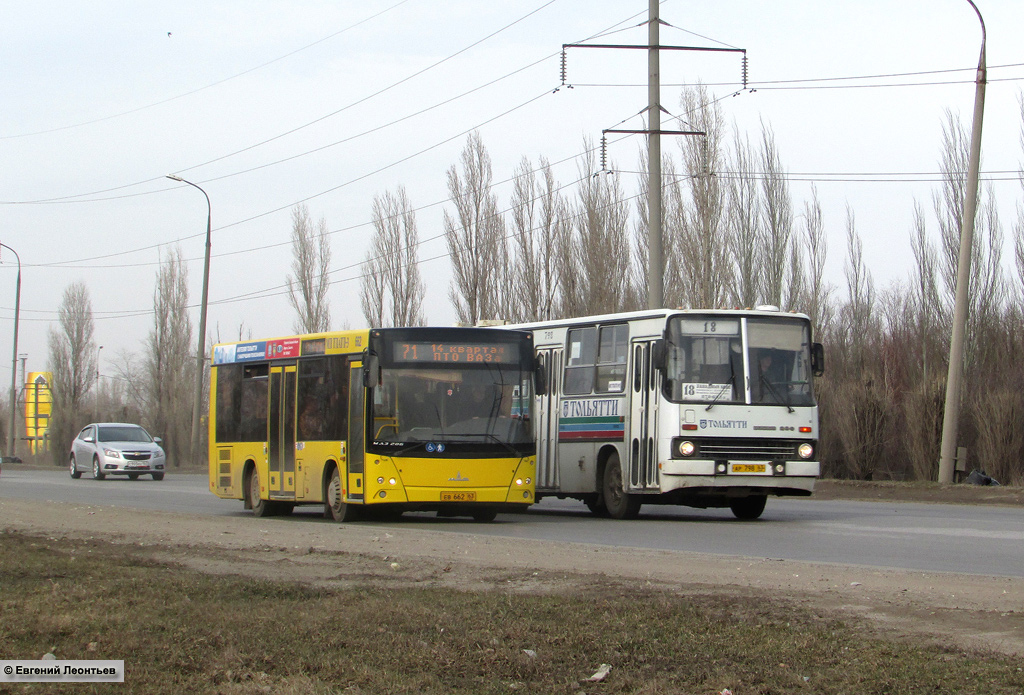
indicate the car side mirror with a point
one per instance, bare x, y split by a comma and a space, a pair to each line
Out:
158, 440
89, 439
817, 359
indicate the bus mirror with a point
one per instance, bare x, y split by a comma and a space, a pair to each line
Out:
540, 378
658, 355
371, 369
817, 359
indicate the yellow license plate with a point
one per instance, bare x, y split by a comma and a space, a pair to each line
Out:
458, 497
748, 468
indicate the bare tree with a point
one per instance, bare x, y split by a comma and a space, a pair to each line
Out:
926, 296
392, 289
540, 218
861, 295
169, 363
705, 258
744, 215
778, 219
986, 288
601, 244
819, 291
475, 235
73, 366
307, 289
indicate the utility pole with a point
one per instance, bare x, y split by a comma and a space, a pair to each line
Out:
655, 240
951, 415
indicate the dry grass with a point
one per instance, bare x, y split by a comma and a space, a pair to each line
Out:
181, 631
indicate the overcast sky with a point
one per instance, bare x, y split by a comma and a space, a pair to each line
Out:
270, 104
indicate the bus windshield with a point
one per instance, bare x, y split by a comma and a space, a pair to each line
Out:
486, 406
707, 361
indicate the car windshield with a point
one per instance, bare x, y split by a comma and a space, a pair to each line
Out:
123, 434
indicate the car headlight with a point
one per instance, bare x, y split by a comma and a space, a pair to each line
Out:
112, 453
805, 451
158, 454
686, 448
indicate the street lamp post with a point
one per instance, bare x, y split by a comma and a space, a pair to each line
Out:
11, 439
96, 402
951, 414
201, 351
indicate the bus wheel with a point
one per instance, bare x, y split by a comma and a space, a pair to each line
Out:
485, 514
260, 507
620, 504
748, 508
334, 503
595, 503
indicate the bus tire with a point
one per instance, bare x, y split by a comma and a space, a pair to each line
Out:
595, 503
748, 508
485, 514
334, 504
260, 507
620, 504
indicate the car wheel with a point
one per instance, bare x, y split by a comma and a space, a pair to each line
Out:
620, 504
73, 469
158, 476
97, 472
133, 476
334, 500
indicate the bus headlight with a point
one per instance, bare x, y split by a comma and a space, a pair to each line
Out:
391, 481
805, 451
686, 448
380, 481
519, 481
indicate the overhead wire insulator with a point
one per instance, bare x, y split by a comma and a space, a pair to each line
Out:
604, 152
745, 69
563, 66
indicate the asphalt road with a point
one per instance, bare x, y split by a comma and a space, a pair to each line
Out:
965, 539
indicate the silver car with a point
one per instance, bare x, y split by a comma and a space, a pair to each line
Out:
116, 448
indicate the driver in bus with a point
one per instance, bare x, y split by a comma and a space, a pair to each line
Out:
761, 388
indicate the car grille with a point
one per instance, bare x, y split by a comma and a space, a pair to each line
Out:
750, 449
136, 455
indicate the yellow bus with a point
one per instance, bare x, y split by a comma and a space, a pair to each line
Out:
386, 420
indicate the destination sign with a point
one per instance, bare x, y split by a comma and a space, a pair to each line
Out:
449, 352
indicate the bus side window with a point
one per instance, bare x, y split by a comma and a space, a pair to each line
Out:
579, 369
229, 402
255, 388
611, 359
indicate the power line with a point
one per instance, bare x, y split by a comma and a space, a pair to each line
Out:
205, 87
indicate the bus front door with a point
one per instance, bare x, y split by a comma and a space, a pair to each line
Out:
356, 433
643, 420
281, 433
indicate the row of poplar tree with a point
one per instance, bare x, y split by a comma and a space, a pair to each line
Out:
733, 237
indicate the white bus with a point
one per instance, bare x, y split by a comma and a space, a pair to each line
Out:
683, 407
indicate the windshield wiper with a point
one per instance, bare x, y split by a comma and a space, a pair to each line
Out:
512, 450
779, 400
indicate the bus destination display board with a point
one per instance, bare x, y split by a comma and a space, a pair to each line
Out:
450, 352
